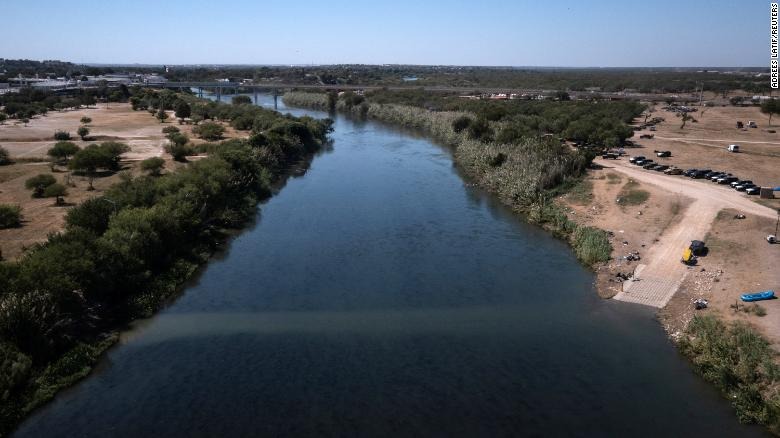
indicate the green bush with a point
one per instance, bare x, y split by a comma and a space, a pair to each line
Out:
10, 216
153, 165
39, 183
209, 131
591, 245
61, 135
740, 362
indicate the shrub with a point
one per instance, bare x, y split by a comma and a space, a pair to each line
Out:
461, 123
5, 157
242, 100
55, 190
170, 130
209, 131
10, 216
92, 214
83, 132
179, 152
591, 245
39, 183
153, 165
62, 135
86, 120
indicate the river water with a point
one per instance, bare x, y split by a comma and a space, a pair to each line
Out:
379, 295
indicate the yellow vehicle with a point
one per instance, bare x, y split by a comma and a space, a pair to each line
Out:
688, 258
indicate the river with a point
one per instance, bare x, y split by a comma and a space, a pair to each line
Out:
378, 294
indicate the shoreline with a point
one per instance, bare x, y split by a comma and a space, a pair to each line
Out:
681, 337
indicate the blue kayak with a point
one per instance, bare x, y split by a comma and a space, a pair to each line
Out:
758, 296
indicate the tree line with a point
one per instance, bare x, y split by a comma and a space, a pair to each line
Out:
122, 253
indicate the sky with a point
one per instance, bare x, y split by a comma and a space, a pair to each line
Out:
562, 33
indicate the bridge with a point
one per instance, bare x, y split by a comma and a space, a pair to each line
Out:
218, 87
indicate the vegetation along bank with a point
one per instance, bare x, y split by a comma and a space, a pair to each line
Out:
124, 253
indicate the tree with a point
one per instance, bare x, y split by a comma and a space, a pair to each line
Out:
114, 151
62, 151
209, 131
88, 160
61, 135
686, 118
86, 120
161, 115
183, 110
153, 165
56, 190
242, 100
3, 118
83, 132
39, 183
10, 216
5, 157
770, 107
170, 130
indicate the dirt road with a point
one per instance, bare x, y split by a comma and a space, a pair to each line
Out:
661, 273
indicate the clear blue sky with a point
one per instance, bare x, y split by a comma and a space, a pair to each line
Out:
521, 33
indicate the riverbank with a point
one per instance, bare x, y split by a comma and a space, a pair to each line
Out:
62, 304
635, 226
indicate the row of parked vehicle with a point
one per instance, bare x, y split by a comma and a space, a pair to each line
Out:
724, 178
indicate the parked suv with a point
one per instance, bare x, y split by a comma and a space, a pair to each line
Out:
633, 160
727, 179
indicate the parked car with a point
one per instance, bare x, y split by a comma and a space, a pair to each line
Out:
752, 124
733, 148
753, 190
715, 178
633, 160
673, 171
648, 164
697, 247
652, 128
660, 167
700, 174
610, 156
690, 172
643, 162
647, 136
713, 173
745, 187
744, 181
663, 154
727, 179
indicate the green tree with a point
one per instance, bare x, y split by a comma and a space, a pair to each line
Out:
210, 131
153, 165
39, 183
57, 191
10, 216
90, 159
242, 100
83, 132
62, 151
61, 135
170, 130
770, 107
3, 118
161, 115
183, 110
86, 120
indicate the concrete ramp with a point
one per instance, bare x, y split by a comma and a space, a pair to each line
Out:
649, 290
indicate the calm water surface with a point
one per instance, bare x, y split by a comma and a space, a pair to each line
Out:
377, 295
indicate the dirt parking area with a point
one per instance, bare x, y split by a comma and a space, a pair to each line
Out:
738, 261
703, 144
615, 202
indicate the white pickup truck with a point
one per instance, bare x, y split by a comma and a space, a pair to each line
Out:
733, 148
